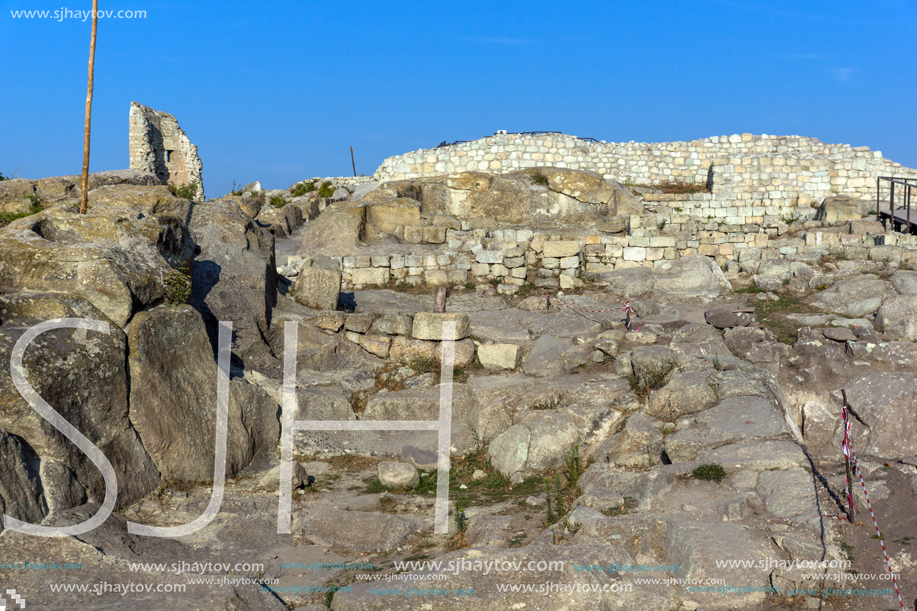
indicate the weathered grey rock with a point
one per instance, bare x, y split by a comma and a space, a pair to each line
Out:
538, 442
337, 230
685, 393
884, 403
534, 304
20, 485
422, 459
897, 317
408, 351
429, 325
386, 216
169, 349
638, 445
549, 357
790, 495
398, 475
318, 285
756, 455
488, 587
757, 346
82, 374
270, 481
856, 297
462, 353
61, 489
839, 208
235, 277
699, 339
489, 531
773, 274
392, 324
733, 419
421, 403
701, 549
111, 264
498, 356
905, 282
819, 424
356, 530
721, 318
653, 365
377, 345
647, 488
688, 277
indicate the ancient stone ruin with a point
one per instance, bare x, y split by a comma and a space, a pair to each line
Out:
639, 366
159, 145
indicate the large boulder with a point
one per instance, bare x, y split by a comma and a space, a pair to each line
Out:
336, 232
113, 263
897, 317
538, 442
688, 277
235, 277
20, 486
839, 208
549, 357
137, 201
173, 398
859, 296
83, 376
318, 285
525, 196
884, 406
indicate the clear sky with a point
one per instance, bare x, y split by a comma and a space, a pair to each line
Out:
279, 91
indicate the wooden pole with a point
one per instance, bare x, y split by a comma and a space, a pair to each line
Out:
439, 299
84, 182
353, 163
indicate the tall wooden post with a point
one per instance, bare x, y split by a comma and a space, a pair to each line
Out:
84, 182
353, 163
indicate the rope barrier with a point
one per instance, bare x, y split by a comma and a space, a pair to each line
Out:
626, 309
848, 451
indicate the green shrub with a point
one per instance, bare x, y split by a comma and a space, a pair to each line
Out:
177, 288
37, 204
710, 472
188, 191
326, 190
538, 178
2, 177
278, 201
301, 188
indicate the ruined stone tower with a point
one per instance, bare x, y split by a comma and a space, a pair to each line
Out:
159, 145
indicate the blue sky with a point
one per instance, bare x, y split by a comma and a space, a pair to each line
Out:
279, 91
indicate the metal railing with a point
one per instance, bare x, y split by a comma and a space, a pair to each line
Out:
445, 143
906, 194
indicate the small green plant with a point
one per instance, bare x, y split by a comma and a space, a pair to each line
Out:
278, 201
301, 188
525, 289
709, 472
2, 177
234, 190
326, 190
538, 178
662, 224
188, 191
460, 522
374, 486
550, 516
494, 281
469, 286
574, 467
560, 506
717, 364
177, 288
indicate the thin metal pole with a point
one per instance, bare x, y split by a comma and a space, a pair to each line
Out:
891, 202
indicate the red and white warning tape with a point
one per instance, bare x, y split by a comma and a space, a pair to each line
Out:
848, 451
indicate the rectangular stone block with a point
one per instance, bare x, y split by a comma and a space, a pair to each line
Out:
561, 248
634, 253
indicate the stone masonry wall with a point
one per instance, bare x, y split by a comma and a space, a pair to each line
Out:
749, 176
159, 145
512, 258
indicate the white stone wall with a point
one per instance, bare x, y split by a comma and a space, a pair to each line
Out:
771, 173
